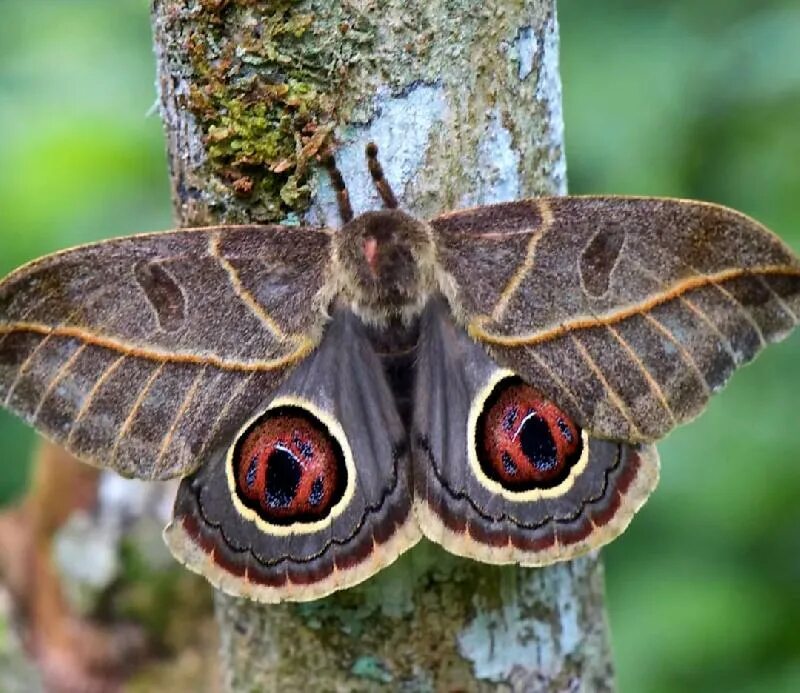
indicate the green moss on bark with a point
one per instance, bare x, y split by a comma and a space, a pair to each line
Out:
263, 82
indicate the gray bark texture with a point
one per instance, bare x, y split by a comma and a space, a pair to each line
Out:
464, 99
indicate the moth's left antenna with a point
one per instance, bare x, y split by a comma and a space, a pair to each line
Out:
342, 198
376, 171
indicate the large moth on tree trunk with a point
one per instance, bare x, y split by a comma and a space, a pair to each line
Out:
493, 379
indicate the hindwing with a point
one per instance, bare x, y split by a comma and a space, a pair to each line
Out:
501, 474
312, 493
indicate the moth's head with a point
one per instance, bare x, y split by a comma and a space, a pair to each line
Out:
384, 260
387, 263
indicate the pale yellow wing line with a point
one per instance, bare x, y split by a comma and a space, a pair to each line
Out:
128, 349
245, 296
477, 330
527, 263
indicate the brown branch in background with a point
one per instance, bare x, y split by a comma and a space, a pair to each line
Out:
71, 652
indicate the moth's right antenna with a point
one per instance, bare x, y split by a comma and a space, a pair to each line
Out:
342, 198
381, 184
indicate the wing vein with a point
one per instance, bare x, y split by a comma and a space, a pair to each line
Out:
613, 395
24, 366
132, 413
779, 300
87, 402
687, 356
214, 427
57, 378
525, 266
698, 312
550, 333
170, 434
706, 318
648, 376
244, 295
743, 310
152, 354
560, 383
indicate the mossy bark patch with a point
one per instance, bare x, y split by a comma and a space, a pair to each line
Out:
260, 85
252, 90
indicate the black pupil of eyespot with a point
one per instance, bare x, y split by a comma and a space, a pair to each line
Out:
283, 477
538, 445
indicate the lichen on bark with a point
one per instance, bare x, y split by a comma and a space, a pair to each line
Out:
257, 84
463, 97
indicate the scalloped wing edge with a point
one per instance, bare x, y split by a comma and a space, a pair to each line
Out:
631, 494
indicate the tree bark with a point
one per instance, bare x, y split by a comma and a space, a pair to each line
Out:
464, 99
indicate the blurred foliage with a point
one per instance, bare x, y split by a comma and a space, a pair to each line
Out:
679, 98
81, 151
702, 99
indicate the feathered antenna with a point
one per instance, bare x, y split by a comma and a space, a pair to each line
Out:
381, 184
342, 198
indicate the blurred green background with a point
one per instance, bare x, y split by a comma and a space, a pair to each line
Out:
685, 98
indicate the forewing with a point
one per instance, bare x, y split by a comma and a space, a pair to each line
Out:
135, 353
252, 549
460, 507
630, 312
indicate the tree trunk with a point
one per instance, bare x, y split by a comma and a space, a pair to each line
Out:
464, 99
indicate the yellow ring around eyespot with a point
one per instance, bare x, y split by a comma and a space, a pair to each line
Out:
335, 429
492, 485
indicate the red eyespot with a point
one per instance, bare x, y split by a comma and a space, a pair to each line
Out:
523, 440
288, 467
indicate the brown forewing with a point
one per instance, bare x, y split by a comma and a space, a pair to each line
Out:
629, 312
134, 353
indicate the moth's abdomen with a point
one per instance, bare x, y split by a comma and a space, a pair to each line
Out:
289, 468
524, 441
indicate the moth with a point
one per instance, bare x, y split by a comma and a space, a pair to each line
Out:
493, 379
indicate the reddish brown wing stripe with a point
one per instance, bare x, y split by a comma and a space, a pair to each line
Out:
218, 294
588, 246
279, 270
238, 558
744, 287
499, 235
500, 220
721, 325
616, 478
637, 376
21, 355
286, 357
